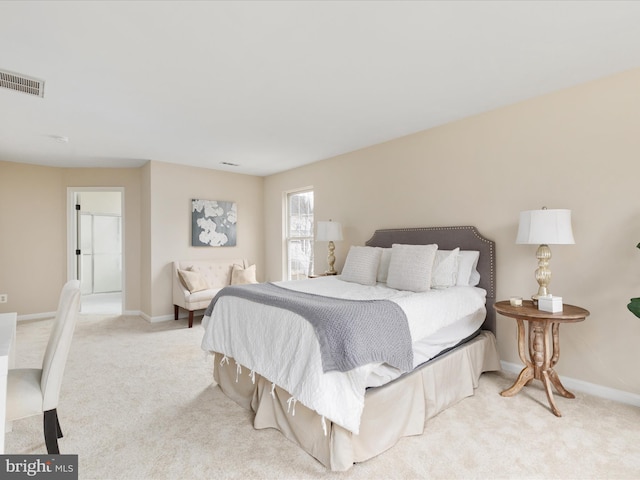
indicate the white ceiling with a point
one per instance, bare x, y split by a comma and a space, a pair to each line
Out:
274, 85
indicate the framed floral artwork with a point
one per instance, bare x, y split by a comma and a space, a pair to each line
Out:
213, 223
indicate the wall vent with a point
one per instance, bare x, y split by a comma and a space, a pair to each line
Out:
21, 83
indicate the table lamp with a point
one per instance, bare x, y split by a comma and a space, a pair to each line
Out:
329, 232
544, 227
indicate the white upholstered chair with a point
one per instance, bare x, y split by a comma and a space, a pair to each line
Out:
35, 391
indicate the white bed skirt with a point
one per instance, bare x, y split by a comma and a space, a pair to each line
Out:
398, 409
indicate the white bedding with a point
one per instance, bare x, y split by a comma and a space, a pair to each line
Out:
282, 347
427, 348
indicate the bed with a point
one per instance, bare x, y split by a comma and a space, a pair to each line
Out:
267, 358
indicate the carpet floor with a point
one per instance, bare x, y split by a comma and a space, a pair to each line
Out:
138, 402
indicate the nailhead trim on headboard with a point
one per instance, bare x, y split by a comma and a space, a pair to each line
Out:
448, 238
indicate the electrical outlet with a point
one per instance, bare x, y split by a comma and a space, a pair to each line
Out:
4, 298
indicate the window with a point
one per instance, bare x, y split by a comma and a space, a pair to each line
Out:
299, 234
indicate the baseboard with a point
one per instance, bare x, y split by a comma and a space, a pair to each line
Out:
127, 313
586, 387
46, 315
36, 316
159, 318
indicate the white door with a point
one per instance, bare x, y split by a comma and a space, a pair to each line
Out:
101, 253
107, 254
85, 227
96, 250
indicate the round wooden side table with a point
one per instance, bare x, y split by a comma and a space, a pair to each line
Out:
543, 355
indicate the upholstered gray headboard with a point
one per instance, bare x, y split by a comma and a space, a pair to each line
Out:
448, 238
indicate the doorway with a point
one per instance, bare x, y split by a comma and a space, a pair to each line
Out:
96, 248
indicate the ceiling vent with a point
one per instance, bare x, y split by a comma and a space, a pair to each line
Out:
21, 83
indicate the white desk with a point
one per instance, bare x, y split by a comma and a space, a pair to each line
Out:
7, 341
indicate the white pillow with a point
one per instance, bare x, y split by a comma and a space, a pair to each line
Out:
445, 269
474, 279
383, 269
410, 267
361, 265
243, 276
468, 274
193, 281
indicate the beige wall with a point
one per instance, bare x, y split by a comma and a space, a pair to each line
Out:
577, 149
32, 237
33, 232
172, 188
157, 226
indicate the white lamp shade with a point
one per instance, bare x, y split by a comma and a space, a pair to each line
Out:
329, 231
548, 227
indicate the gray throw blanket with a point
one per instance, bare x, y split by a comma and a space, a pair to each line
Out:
351, 333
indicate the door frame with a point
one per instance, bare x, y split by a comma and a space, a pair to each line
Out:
72, 231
